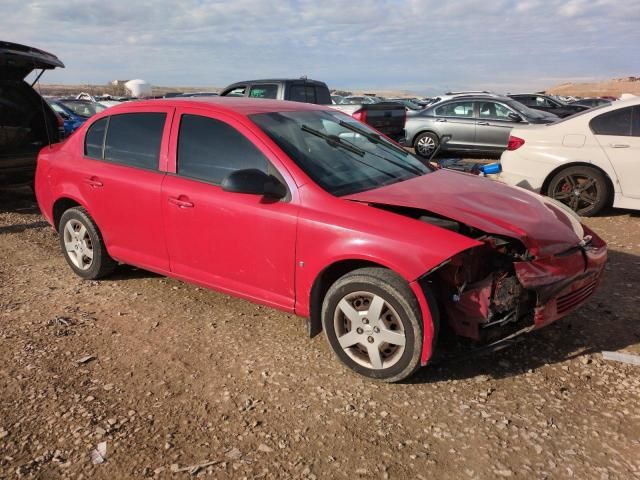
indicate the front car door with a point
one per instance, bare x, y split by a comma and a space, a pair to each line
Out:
120, 176
493, 125
618, 133
456, 118
238, 243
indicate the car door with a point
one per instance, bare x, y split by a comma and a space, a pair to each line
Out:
238, 243
120, 176
457, 119
618, 133
493, 125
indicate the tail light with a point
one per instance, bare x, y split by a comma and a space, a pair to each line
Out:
360, 115
514, 143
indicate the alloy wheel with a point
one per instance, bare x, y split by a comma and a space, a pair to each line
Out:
78, 245
579, 191
425, 146
369, 330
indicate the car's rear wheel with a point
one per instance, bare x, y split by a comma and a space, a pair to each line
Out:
584, 189
373, 323
425, 144
83, 246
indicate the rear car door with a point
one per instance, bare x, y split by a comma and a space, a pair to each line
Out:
457, 119
120, 178
618, 133
238, 243
493, 125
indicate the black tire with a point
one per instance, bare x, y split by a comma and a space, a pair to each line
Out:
101, 264
396, 293
422, 141
583, 189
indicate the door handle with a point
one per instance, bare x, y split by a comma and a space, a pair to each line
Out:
483, 123
619, 145
93, 182
178, 201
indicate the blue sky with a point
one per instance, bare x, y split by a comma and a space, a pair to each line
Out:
426, 46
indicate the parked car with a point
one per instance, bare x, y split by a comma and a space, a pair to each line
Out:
27, 123
476, 123
409, 104
587, 162
305, 209
591, 102
388, 118
199, 94
75, 112
336, 99
547, 103
360, 100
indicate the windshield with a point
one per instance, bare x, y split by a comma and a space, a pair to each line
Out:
339, 153
84, 109
524, 110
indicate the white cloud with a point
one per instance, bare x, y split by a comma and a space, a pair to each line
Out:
422, 44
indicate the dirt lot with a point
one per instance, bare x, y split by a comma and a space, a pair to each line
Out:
175, 376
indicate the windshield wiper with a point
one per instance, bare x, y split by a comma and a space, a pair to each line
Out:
333, 140
375, 138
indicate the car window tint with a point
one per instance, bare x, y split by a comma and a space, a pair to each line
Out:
302, 93
235, 92
94, 139
617, 122
264, 91
134, 139
455, 109
494, 110
636, 122
209, 150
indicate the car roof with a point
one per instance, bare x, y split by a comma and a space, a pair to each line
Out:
238, 105
276, 80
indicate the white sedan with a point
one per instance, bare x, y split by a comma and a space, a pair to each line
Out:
587, 161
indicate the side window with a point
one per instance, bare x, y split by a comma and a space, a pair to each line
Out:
543, 102
94, 139
323, 96
302, 93
495, 111
134, 139
636, 122
209, 150
526, 100
235, 92
456, 109
617, 122
264, 91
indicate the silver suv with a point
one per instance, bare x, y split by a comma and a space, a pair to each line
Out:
476, 123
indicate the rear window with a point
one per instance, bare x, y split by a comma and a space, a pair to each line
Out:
302, 93
134, 139
616, 123
264, 91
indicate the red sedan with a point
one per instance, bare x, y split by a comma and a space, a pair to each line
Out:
305, 209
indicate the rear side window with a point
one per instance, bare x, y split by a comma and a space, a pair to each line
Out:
455, 109
209, 150
94, 139
134, 139
617, 122
264, 91
235, 92
302, 93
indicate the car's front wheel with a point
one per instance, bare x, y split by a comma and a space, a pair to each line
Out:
373, 323
83, 246
425, 144
584, 189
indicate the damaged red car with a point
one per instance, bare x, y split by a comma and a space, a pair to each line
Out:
305, 209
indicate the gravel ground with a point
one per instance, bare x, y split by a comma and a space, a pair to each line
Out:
180, 381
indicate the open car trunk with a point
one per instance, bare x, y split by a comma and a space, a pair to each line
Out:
27, 123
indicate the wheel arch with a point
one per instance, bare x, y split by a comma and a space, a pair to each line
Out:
555, 171
323, 282
60, 206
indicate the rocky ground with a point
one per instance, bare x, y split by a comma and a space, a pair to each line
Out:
156, 378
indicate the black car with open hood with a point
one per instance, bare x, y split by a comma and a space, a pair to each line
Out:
27, 123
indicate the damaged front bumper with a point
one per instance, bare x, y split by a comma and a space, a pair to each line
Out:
527, 295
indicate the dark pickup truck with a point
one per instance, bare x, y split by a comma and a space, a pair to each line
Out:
27, 123
386, 117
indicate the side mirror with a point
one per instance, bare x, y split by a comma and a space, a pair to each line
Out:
254, 182
515, 117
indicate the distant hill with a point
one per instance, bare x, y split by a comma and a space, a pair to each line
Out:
615, 87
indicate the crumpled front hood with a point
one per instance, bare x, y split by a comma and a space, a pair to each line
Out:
487, 205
